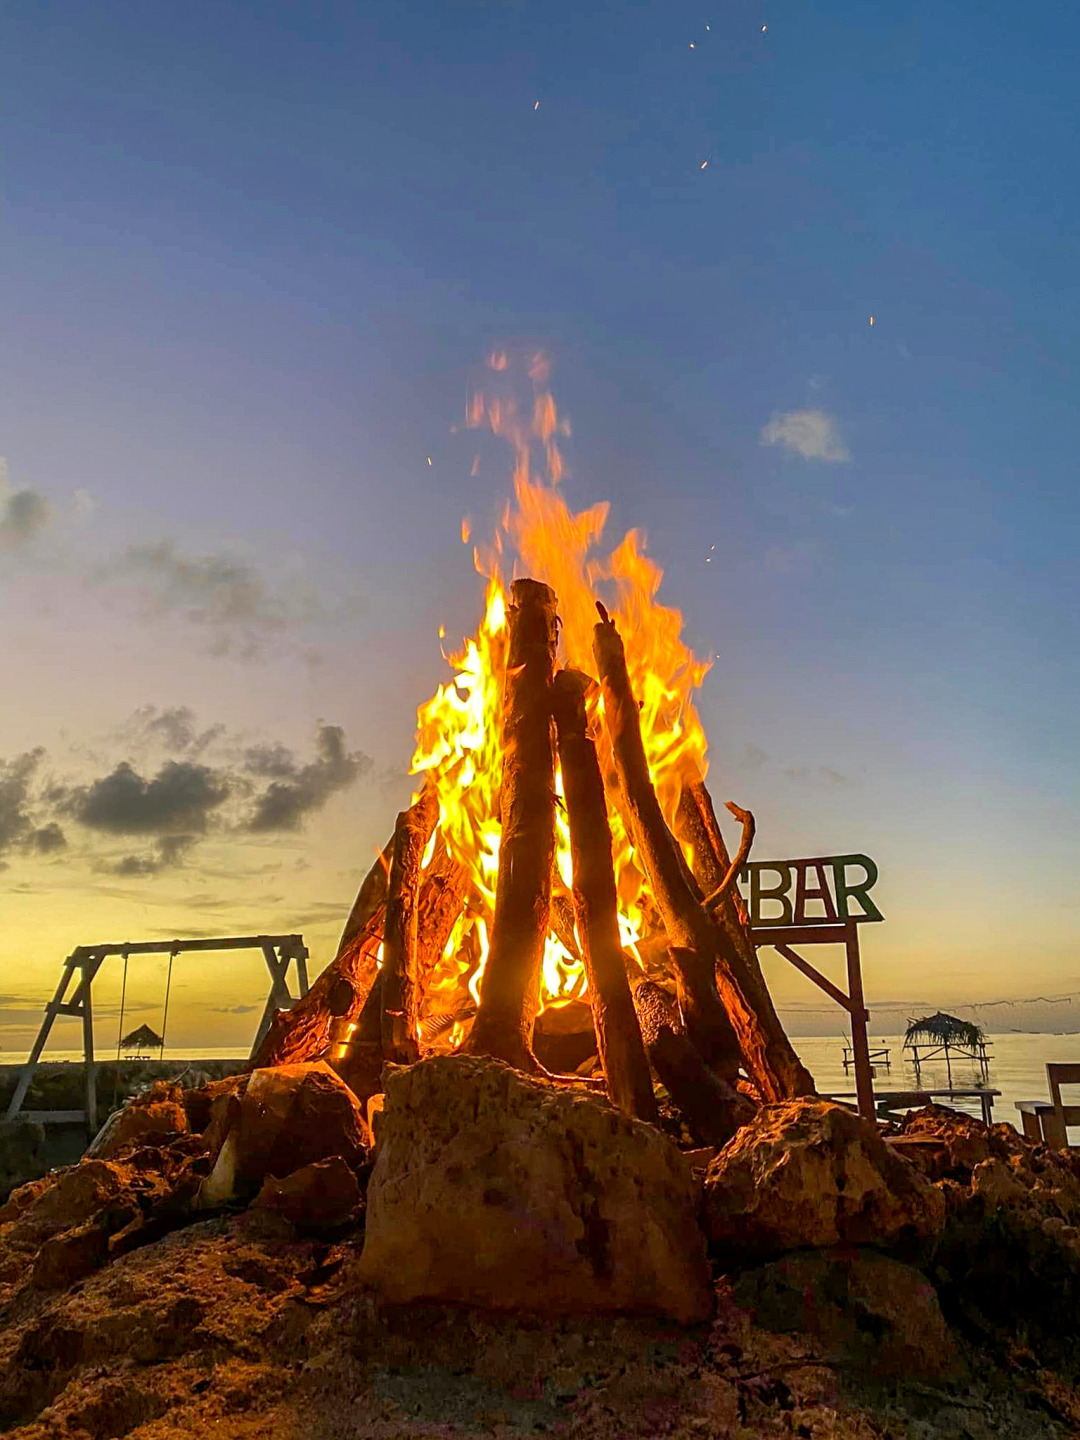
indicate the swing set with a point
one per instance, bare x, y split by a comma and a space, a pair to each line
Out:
279, 952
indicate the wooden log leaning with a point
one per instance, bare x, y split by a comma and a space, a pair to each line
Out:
370, 898
615, 1021
712, 1108
400, 992
771, 1062
689, 929
696, 824
510, 989
303, 1032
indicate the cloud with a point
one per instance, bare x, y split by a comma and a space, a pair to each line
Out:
296, 790
810, 433
47, 839
223, 594
168, 854
234, 1009
171, 804
24, 514
816, 775
175, 729
179, 799
18, 801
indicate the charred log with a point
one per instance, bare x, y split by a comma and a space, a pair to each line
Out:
688, 927
696, 824
615, 1021
370, 898
712, 1108
400, 990
303, 1032
510, 989
765, 1048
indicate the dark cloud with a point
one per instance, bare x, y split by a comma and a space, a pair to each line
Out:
179, 799
47, 839
270, 762
223, 594
24, 514
301, 789
172, 807
16, 783
233, 1009
174, 728
168, 854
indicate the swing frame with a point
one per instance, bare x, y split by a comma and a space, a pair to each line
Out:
279, 952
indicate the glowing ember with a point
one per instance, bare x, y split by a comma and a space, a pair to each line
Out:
459, 742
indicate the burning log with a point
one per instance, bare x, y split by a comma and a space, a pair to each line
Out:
712, 1108
510, 989
698, 942
370, 898
303, 1032
615, 1020
727, 884
697, 825
400, 993
689, 929
359, 1059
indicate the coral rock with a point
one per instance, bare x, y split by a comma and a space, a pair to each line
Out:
806, 1173
157, 1115
288, 1117
75, 1196
881, 1313
64, 1259
493, 1189
317, 1197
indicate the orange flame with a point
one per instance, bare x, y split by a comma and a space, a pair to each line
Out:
458, 746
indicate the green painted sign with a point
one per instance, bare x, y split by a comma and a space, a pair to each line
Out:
818, 891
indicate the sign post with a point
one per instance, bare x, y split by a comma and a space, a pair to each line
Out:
828, 884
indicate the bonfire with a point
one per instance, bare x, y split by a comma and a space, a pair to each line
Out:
560, 874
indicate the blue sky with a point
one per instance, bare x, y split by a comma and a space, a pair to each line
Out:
251, 257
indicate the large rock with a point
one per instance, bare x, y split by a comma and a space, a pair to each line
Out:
288, 1117
71, 1199
883, 1315
157, 1115
317, 1198
806, 1173
495, 1190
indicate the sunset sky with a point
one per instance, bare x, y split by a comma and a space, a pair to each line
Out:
252, 258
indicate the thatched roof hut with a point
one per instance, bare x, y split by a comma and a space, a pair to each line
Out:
942, 1029
142, 1039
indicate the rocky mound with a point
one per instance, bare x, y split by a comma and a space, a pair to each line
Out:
158, 1289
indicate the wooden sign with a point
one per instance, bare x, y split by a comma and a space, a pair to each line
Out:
819, 891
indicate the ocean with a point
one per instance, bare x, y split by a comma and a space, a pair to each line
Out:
1017, 1065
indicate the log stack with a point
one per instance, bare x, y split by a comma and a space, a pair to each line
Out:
699, 1030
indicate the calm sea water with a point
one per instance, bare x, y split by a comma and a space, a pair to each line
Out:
1017, 1066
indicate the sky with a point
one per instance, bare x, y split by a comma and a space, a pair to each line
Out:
251, 260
